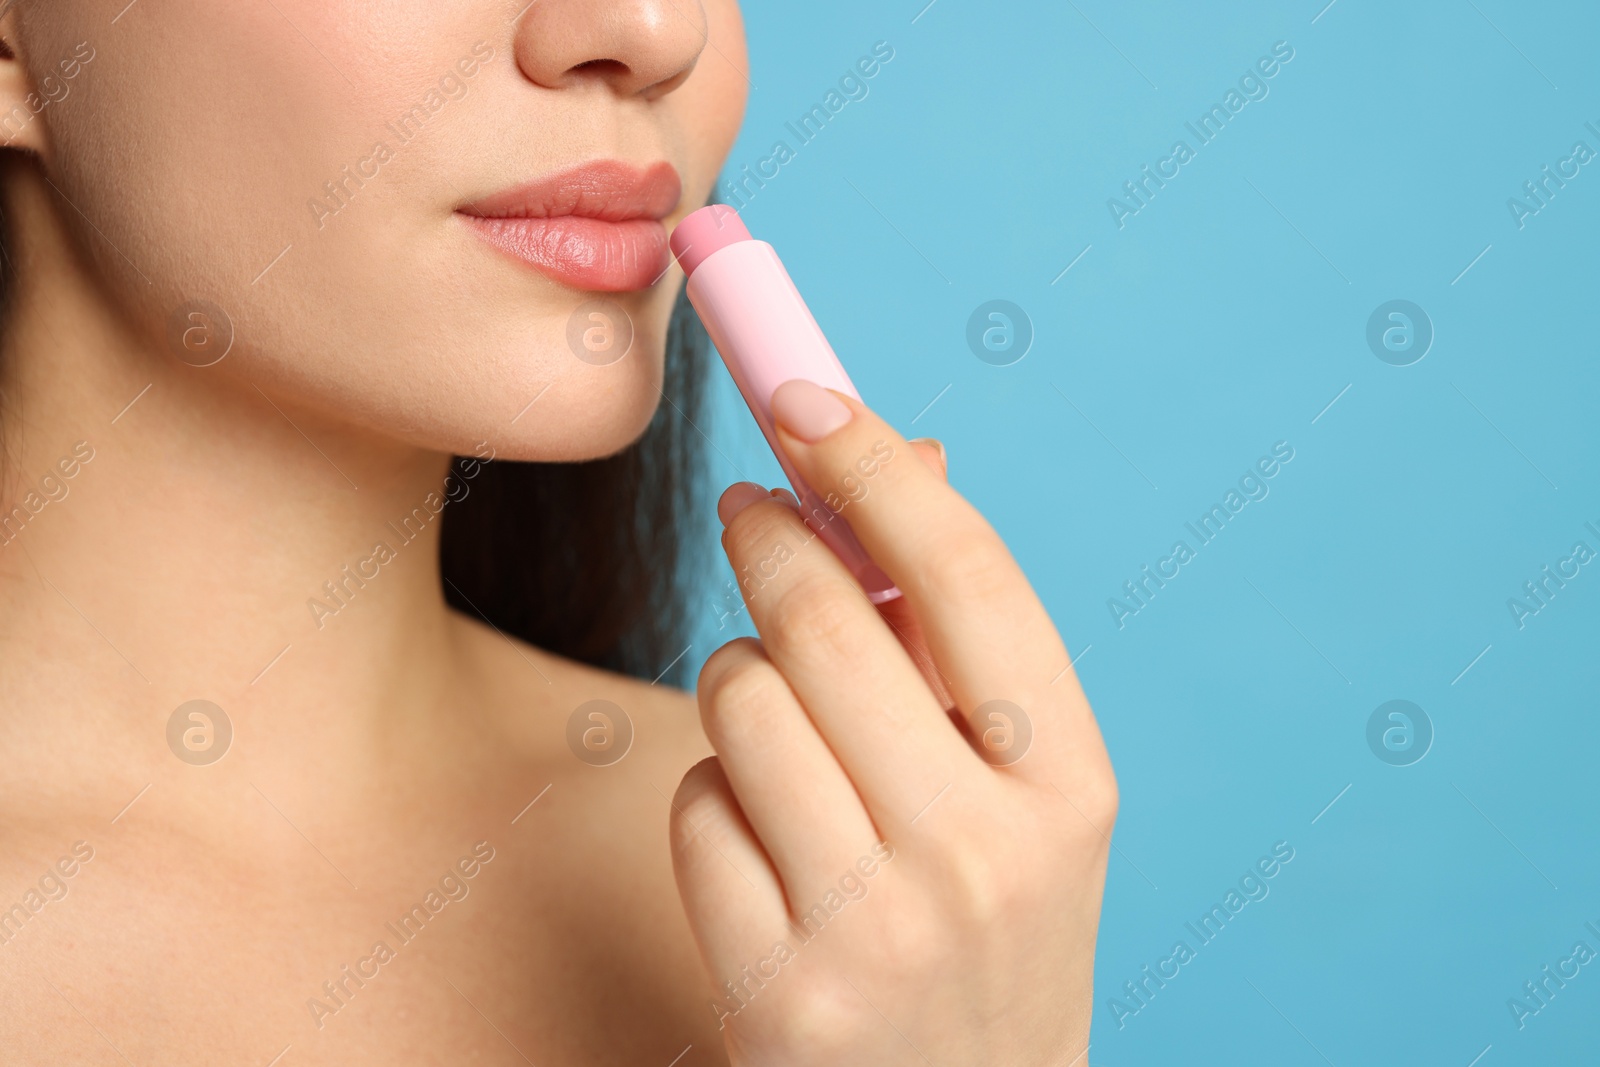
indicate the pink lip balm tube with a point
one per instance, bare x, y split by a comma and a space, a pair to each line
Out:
766, 335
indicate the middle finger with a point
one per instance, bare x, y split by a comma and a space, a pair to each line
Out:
866, 696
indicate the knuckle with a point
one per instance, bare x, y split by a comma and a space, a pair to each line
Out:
816, 1014
994, 872
739, 706
980, 889
698, 806
916, 942
741, 687
1092, 801
725, 668
1102, 799
967, 566
815, 613
755, 531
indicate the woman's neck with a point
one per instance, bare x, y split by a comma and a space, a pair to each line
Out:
171, 533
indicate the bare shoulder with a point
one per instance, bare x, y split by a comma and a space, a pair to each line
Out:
566, 710
586, 762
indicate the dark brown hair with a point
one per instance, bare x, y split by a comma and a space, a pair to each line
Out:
595, 561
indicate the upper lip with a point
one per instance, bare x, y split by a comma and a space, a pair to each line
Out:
609, 190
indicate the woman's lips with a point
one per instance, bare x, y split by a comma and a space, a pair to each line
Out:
595, 227
584, 253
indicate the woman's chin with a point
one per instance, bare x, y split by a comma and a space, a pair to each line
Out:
587, 423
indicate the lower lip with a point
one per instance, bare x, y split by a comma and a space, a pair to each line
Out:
588, 254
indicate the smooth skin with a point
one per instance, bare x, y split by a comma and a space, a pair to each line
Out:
972, 941
379, 753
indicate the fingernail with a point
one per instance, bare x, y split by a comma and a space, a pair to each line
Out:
737, 497
807, 410
937, 445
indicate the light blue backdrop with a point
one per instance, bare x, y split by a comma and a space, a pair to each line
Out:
1226, 315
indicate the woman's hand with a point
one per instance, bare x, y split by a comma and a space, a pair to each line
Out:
898, 852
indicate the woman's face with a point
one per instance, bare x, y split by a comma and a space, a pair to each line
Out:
349, 183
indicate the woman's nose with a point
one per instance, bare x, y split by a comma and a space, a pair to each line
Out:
643, 48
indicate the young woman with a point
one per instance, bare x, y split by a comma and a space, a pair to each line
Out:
321, 747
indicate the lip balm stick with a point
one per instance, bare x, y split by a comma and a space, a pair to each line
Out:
766, 336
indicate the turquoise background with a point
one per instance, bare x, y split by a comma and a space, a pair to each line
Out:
1221, 319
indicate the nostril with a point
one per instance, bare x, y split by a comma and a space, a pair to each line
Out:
630, 79
638, 48
604, 68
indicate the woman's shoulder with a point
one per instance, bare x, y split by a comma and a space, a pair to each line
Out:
602, 717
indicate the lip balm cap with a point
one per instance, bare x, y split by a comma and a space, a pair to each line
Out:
706, 231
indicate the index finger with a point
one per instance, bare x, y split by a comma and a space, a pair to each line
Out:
984, 625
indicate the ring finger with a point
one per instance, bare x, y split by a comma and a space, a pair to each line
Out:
798, 799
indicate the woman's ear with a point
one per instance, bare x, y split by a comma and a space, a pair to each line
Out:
20, 101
